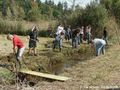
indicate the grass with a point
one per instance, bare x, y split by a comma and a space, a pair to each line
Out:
82, 66
23, 28
47, 60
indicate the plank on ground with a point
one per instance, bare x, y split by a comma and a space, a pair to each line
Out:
50, 76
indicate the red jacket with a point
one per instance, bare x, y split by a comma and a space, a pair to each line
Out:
17, 42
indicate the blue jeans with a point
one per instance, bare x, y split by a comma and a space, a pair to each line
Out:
57, 43
78, 40
100, 48
74, 42
67, 36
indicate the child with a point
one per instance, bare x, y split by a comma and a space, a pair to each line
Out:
18, 46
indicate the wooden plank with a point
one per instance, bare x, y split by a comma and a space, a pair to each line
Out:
50, 76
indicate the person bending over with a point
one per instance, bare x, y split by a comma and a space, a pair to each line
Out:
99, 46
18, 46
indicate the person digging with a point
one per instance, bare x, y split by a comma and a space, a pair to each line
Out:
18, 48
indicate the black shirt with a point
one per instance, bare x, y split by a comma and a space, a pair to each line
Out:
105, 33
33, 35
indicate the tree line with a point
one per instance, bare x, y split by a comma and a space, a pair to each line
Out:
33, 10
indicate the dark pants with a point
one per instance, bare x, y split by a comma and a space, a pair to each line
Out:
81, 38
32, 44
88, 38
67, 36
57, 43
78, 39
74, 42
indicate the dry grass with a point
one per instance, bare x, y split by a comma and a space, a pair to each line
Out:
43, 25
99, 71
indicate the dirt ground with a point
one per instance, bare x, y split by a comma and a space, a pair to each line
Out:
99, 73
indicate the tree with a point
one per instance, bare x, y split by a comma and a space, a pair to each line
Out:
11, 5
4, 7
65, 5
95, 15
60, 6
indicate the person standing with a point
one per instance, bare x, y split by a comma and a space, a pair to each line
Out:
81, 34
99, 46
68, 33
49, 31
60, 28
18, 47
105, 35
33, 38
88, 34
58, 41
75, 38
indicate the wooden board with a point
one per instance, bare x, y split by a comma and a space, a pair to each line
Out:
50, 76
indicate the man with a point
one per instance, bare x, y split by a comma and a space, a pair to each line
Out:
99, 45
75, 33
88, 34
105, 34
60, 28
58, 40
81, 34
33, 40
49, 30
18, 46
68, 33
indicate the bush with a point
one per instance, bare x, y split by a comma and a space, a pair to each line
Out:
94, 15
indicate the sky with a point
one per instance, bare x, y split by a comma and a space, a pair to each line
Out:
82, 3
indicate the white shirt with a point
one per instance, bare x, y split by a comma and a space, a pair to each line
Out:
81, 31
59, 30
97, 40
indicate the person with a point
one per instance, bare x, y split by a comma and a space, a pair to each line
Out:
33, 38
68, 33
60, 28
88, 34
105, 35
18, 46
78, 36
99, 45
81, 34
49, 30
58, 41
75, 38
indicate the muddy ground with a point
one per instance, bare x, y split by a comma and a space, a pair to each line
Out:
85, 70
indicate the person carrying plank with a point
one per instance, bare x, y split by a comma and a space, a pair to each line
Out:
33, 40
18, 47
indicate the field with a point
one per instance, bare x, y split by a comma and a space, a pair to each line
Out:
80, 65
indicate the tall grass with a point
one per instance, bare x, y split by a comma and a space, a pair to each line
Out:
17, 28
13, 28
